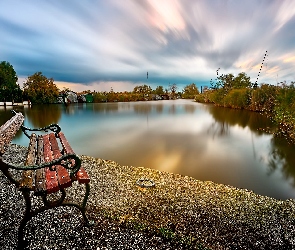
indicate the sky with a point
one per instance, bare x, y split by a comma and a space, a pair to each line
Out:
103, 44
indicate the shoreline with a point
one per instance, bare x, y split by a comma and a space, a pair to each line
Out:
180, 209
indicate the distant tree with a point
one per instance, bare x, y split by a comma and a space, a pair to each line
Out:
41, 89
173, 89
190, 91
142, 91
9, 89
65, 90
242, 81
229, 81
159, 90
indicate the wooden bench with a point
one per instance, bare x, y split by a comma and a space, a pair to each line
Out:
50, 166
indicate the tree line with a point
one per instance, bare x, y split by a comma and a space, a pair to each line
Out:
39, 89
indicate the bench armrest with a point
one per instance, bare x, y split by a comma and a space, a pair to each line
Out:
65, 161
9, 129
53, 127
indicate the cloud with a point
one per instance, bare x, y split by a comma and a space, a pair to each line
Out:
117, 86
176, 41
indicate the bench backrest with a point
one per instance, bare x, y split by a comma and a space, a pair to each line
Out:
9, 129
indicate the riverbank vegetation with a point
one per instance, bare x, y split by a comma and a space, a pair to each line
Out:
277, 102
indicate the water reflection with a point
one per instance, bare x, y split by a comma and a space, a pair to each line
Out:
142, 108
106, 107
219, 129
40, 116
190, 109
242, 118
282, 159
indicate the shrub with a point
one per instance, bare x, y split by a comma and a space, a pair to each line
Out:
237, 98
263, 99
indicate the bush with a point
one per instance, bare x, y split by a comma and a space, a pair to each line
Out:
217, 97
263, 99
237, 98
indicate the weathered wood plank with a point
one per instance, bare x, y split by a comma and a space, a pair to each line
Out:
65, 144
63, 176
82, 176
51, 177
40, 180
54, 146
26, 182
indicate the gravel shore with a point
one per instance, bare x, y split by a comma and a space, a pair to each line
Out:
178, 212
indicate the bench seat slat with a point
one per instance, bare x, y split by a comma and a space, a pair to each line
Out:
81, 176
40, 180
63, 176
51, 177
65, 144
26, 181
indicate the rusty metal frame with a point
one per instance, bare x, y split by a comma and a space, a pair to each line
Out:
29, 213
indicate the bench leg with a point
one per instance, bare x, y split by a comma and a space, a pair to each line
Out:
21, 244
87, 185
29, 214
88, 223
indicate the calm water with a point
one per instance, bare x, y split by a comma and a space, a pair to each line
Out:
181, 136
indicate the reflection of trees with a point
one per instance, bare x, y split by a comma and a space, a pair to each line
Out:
281, 157
159, 108
172, 109
142, 108
105, 107
190, 108
219, 129
243, 118
43, 115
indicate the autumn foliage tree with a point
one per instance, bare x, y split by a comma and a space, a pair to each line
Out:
40, 89
190, 91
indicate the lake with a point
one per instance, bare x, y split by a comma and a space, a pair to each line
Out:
180, 136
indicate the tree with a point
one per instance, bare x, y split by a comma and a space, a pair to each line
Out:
9, 89
173, 89
230, 82
142, 91
40, 89
190, 91
159, 90
242, 81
